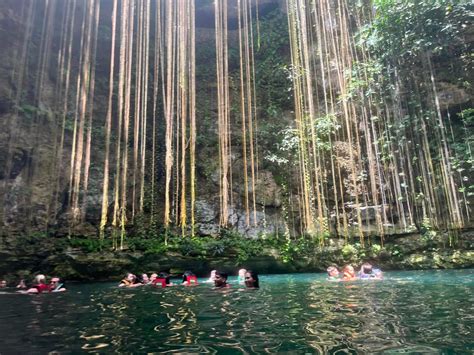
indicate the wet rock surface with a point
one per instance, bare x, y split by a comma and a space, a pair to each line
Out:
22, 257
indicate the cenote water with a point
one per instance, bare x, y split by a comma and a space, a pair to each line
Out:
407, 312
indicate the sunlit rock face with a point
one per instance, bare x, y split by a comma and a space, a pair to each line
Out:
451, 95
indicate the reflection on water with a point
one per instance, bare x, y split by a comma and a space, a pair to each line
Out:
408, 312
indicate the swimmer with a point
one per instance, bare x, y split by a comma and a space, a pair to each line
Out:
333, 273
129, 281
39, 286
251, 279
166, 276
56, 285
21, 284
241, 277
212, 277
189, 279
348, 273
3, 284
220, 281
145, 280
153, 277
368, 272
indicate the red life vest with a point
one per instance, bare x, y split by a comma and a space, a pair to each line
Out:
191, 280
162, 282
43, 288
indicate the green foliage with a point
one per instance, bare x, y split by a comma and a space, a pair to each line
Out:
376, 249
427, 231
90, 245
325, 127
467, 117
365, 79
403, 29
286, 147
348, 250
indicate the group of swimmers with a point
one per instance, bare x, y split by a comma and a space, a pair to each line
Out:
163, 279
367, 271
40, 285
218, 278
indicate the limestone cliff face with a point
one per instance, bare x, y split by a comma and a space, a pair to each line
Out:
34, 172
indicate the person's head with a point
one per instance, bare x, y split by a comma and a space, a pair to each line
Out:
366, 268
145, 278
332, 271
55, 281
213, 275
3, 283
251, 279
131, 277
220, 279
40, 279
242, 273
153, 277
186, 274
348, 271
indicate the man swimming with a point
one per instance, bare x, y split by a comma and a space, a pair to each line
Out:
220, 280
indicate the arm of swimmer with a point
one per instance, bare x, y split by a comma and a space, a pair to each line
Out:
60, 290
30, 290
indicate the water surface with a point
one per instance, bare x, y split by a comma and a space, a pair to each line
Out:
408, 312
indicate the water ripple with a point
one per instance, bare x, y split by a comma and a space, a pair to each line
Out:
412, 312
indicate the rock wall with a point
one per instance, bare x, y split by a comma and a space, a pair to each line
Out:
22, 257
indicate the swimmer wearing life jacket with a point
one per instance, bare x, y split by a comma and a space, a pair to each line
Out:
348, 273
153, 277
162, 279
189, 279
55, 285
368, 272
39, 286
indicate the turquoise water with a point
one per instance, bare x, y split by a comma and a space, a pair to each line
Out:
407, 312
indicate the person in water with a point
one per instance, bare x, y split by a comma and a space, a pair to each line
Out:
39, 286
153, 277
166, 277
189, 279
251, 279
3, 283
55, 285
348, 273
130, 280
21, 284
145, 280
220, 280
211, 277
368, 272
333, 273
241, 277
